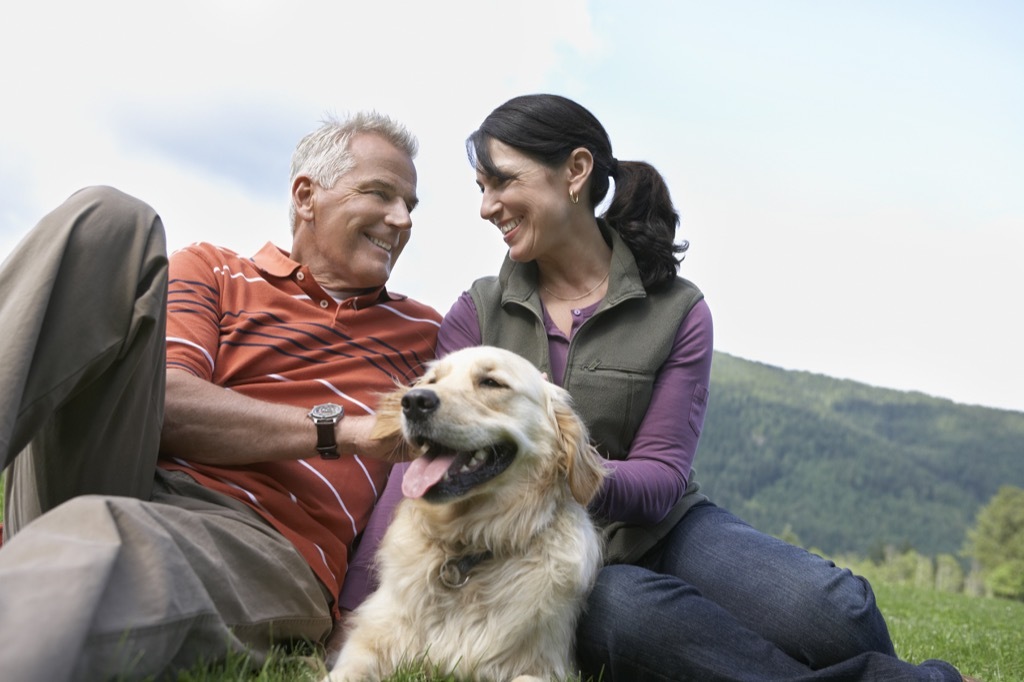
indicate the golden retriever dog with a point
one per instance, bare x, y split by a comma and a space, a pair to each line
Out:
486, 565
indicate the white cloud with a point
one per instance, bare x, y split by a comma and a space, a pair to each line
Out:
117, 92
849, 178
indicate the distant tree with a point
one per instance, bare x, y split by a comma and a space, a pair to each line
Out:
1007, 580
876, 552
924, 572
997, 542
790, 536
949, 574
906, 566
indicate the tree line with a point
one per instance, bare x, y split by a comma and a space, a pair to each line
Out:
860, 471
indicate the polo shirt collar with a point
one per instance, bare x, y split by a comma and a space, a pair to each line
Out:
274, 261
277, 262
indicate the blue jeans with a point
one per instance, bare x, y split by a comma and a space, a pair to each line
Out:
718, 600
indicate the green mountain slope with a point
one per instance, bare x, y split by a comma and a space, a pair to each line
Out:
849, 467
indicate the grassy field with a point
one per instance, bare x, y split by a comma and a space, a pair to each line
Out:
982, 637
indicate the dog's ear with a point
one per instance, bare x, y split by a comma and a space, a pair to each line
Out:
389, 415
580, 461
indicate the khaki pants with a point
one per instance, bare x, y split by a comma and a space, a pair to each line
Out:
111, 568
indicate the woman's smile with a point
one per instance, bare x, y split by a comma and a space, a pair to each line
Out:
508, 227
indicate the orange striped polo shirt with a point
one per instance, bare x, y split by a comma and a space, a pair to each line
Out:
265, 328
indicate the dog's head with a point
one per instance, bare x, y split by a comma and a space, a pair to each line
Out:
481, 413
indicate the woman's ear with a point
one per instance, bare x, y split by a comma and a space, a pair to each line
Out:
579, 166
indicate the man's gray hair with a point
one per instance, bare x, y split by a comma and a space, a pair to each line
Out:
324, 154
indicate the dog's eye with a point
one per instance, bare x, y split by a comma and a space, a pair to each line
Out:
488, 382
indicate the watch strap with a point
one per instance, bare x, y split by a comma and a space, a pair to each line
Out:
326, 443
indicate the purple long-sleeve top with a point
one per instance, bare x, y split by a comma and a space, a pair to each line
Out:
643, 487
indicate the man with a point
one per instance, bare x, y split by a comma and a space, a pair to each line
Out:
152, 525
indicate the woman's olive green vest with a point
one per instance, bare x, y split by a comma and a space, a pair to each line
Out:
613, 360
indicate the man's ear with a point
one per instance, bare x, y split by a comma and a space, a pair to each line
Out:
579, 166
302, 197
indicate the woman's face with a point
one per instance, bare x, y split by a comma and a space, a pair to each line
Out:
528, 202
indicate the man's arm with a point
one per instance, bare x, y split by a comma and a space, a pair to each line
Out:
206, 423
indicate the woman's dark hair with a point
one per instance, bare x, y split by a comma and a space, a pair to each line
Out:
547, 128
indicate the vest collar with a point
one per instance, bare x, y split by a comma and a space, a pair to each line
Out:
519, 281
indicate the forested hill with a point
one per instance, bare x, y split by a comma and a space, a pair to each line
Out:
849, 467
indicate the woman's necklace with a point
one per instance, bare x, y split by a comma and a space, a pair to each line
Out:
581, 296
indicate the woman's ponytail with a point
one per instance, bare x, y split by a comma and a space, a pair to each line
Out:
641, 211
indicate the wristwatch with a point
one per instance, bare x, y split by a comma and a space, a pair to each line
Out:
325, 417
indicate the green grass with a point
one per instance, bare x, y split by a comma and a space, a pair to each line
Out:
278, 668
283, 669
982, 637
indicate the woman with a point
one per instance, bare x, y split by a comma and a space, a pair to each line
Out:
690, 591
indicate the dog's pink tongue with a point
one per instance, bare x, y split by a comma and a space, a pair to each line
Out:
424, 472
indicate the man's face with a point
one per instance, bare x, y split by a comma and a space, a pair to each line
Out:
354, 232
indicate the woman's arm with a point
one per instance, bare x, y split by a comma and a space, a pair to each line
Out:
645, 486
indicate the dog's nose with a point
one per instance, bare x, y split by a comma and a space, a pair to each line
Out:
419, 403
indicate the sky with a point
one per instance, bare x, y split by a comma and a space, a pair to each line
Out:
850, 175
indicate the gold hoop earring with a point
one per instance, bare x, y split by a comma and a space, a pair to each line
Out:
575, 198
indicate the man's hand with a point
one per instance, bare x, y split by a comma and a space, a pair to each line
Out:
372, 441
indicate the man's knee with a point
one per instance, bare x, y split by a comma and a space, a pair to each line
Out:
104, 207
78, 522
105, 197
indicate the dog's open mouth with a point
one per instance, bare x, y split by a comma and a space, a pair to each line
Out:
440, 473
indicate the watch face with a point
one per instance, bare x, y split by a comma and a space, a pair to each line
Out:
326, 411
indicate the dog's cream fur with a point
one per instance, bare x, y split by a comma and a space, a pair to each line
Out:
515, 616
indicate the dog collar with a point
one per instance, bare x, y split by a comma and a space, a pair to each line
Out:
454, 572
